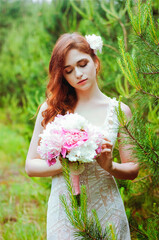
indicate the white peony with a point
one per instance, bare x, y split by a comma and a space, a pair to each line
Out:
95, 42
54, 139
71, 121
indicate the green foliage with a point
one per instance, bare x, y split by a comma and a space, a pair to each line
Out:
128, 67
85, 227
146, 148
139, 21
122, 85
140, 69
11, 11
28, 33
26, 59
140, 66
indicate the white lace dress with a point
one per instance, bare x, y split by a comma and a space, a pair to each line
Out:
102, 192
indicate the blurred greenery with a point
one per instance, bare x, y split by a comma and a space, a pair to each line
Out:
28, 32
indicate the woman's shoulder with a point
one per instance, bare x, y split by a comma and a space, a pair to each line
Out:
40, 110
43, 107
126, 109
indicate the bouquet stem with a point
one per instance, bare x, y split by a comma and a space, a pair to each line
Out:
75, 184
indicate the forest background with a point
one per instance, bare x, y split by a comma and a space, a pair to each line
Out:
28, 32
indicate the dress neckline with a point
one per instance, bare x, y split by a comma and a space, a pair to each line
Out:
109, 113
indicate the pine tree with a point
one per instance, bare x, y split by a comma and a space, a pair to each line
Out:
140, 68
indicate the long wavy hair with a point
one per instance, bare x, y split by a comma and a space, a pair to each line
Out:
60, 95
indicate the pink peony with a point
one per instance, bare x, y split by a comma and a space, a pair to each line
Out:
98, 150
51, 161
72, 138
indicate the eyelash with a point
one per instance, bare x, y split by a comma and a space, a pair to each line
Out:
79, 66
69, 72
84, 65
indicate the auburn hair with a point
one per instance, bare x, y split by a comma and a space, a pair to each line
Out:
60, 95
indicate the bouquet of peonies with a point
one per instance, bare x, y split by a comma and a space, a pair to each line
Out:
72, 137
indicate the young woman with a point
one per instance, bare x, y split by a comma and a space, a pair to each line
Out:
73, 87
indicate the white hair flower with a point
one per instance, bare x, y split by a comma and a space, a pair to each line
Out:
95, 42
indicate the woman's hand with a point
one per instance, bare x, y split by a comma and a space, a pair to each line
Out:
105, 158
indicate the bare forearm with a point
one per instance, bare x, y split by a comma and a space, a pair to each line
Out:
127, 170
40, 168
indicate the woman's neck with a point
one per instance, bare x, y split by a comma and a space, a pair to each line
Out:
90, 94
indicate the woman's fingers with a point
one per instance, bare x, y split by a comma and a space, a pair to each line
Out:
106, 150
106, 142
108, 145
106, 139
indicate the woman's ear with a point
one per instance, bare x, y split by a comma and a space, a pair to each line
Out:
97, 65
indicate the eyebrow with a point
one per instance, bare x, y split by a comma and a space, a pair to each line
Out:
77, 62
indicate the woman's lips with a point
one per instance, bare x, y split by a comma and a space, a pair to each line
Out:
82, 81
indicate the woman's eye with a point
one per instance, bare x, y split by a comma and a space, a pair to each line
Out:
68, 71
83, 64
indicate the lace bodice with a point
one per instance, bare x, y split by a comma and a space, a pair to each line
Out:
102, 192
111, 124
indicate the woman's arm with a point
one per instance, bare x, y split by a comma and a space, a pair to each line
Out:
128, 168
35, 166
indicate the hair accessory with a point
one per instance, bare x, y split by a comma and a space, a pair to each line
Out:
95, 42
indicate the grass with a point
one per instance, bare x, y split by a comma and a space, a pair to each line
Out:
23, 200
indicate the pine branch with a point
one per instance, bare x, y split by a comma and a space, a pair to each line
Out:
140, 179
140, 146
122, 119
140, 26
86, 234
152, 32
128, 67
139, 15
137, 230
123, 70
149, 73
97, 221
73, 214
139, 19
76, 8
66, 172
132, 66
83, 204
67, 210
112, 232
125, 34
152, 95
111, 47
88, 228
144, 40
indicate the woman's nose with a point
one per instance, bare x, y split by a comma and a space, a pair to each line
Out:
78, 72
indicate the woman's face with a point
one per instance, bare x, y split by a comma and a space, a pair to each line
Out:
79, 70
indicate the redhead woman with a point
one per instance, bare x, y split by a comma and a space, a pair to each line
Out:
73, 87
